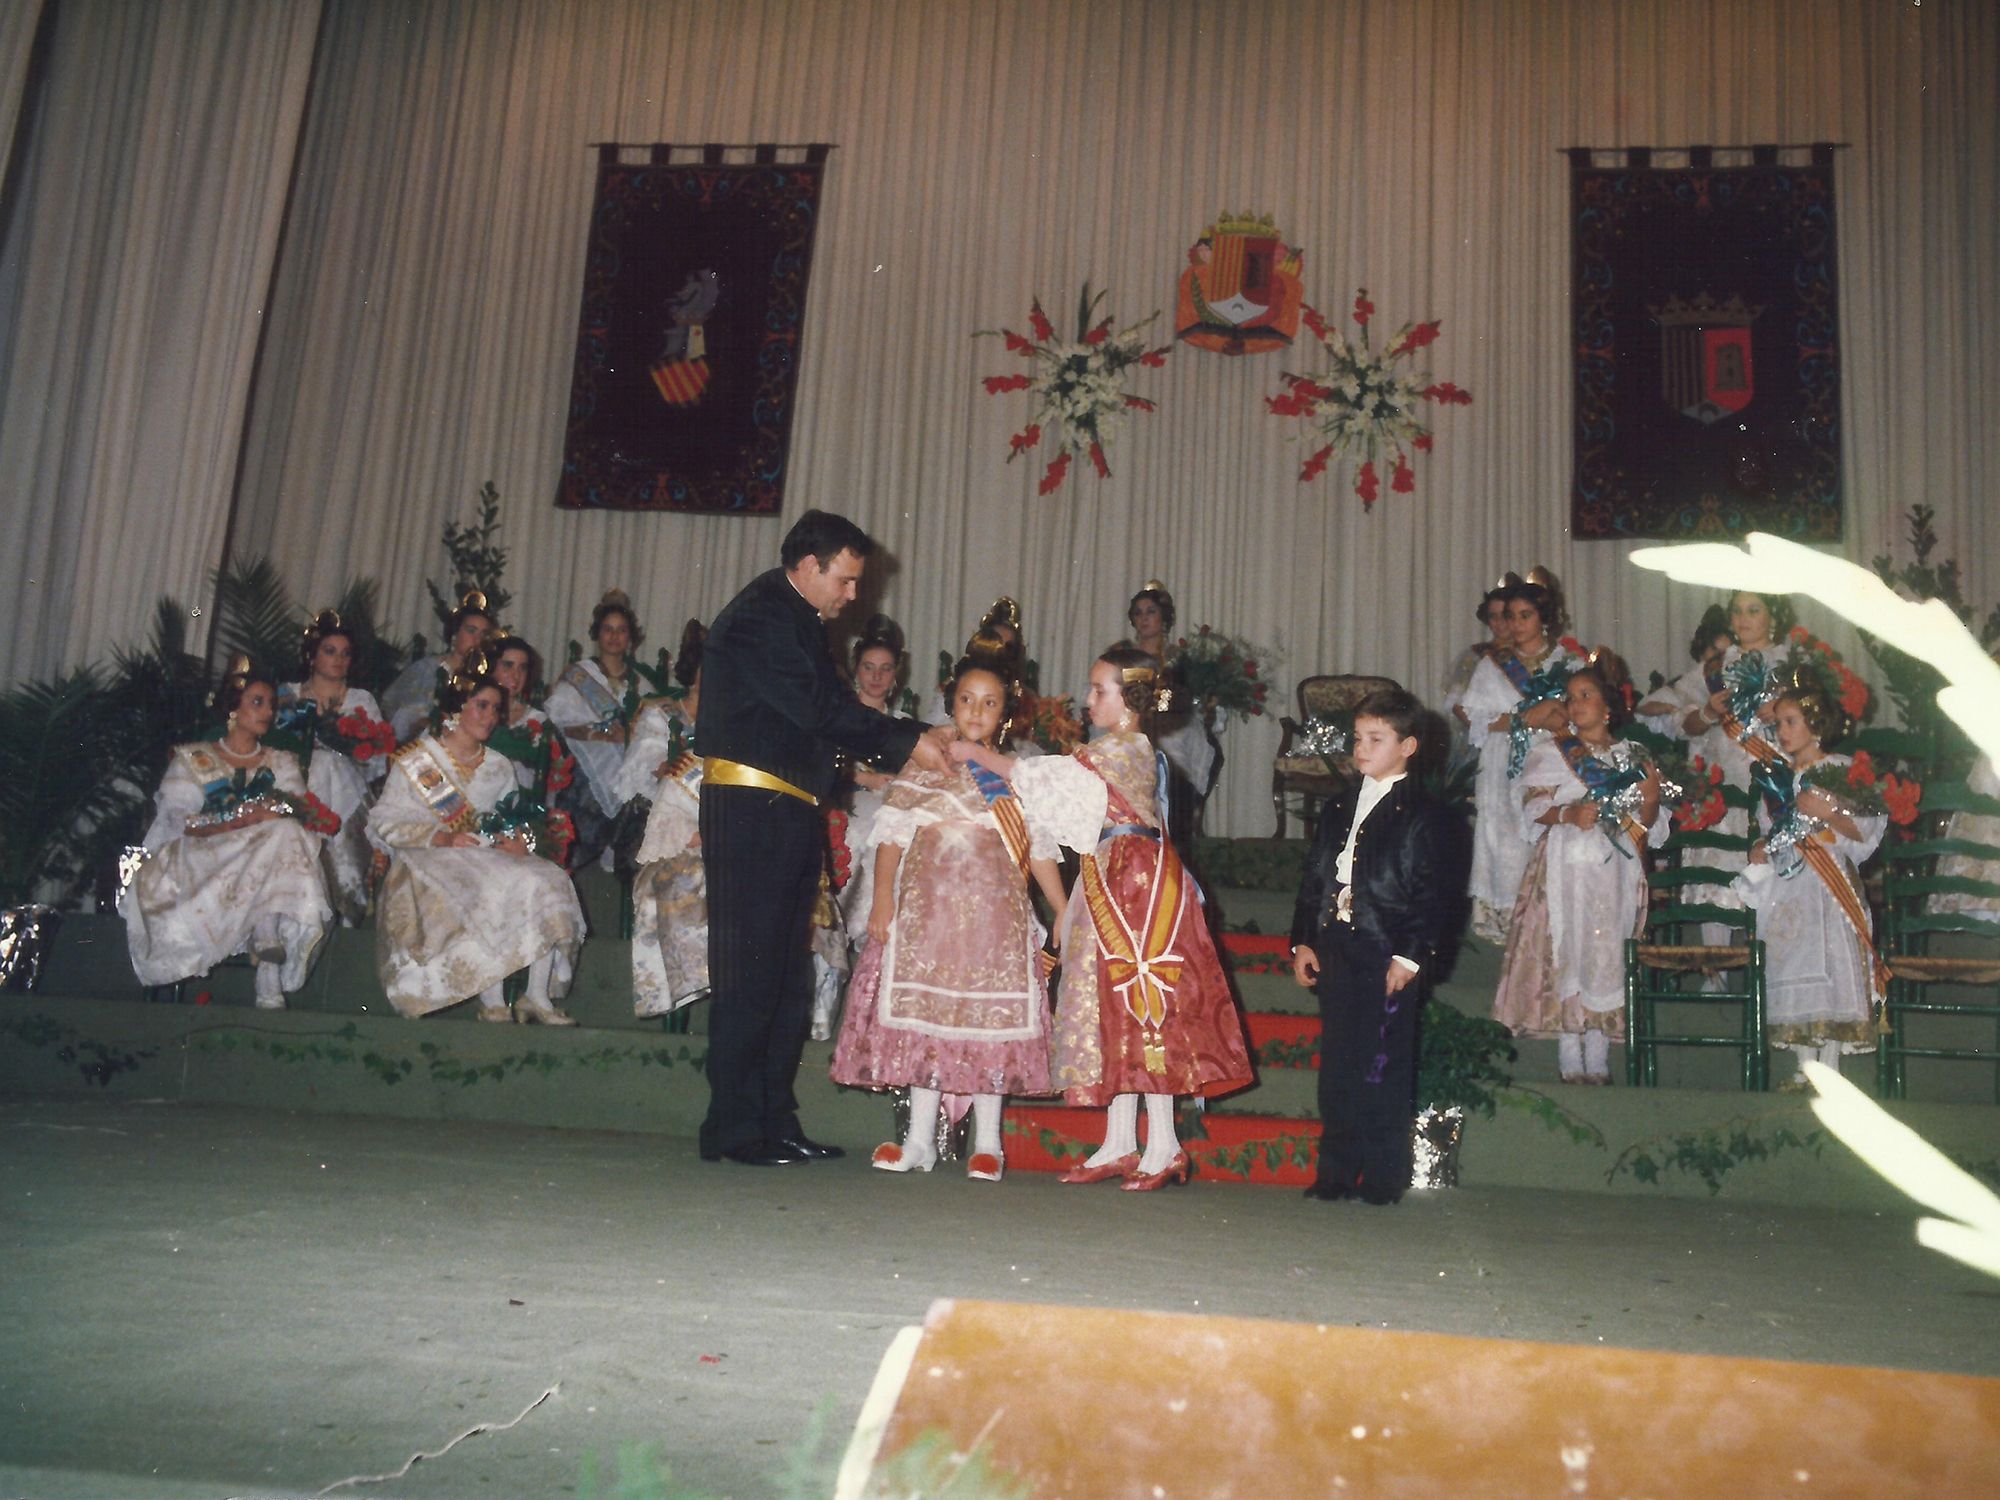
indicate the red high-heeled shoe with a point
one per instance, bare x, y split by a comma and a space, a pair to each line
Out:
1123, 1166
1174, 1171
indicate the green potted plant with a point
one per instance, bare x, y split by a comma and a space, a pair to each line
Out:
1459, 1068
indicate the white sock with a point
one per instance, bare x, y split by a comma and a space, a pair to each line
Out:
920, 1145
1829, 1055
1805, 1052
1569, 1053
986, 1125
1121, 1131
270, 987
1162, 1145
1596, 1054
538, 980
493, 997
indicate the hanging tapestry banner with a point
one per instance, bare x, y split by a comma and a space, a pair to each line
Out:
687, 349
1707, 366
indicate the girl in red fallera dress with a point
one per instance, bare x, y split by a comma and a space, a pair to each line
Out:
1143, 1008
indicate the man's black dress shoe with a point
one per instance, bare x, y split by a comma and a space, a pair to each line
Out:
762, 1154
1377, 1197
1328, 1192
812, 1150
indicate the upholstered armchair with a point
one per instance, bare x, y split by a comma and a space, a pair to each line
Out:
1307, 775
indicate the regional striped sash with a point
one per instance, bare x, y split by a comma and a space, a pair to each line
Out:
435, 787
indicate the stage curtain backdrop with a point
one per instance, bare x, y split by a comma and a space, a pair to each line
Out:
423, 307
18, 21
133, 277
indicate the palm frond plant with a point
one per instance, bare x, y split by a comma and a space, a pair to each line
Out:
65, 778
255, 616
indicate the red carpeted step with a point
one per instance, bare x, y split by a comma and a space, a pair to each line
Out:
1257, 952
1283, 1041
1234, 1148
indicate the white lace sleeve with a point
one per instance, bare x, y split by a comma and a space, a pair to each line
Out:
898, 825
178, 799
286, 775
639, 773
671, 826
1064, 803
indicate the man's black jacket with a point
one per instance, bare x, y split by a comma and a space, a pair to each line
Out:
771, 698
1409, 872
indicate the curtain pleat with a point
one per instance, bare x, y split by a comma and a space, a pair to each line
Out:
137, 263
19, 20
422, 323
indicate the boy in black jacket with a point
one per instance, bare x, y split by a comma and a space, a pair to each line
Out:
1382, 887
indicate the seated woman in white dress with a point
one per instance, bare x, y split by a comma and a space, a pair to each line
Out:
1492, 613
406, 702
542, 762
670, 892
1824, 979
593, 703
469, 897
350, 754
231, 866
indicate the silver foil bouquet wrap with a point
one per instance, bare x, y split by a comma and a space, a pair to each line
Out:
1322, 737
1434, 1146
1781, 844
25, 935
270, 803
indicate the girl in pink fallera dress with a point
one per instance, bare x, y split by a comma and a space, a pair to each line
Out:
949, 999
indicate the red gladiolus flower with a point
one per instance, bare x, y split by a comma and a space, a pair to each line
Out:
1309, 315
1023, 440
1572, 645
1097, 462
1798, 635
1367, 486
1363, 308
1139, 403
1291, 404
1422, 442
1404, 480
1903, 798
1417, 338
1016, 344
1316, 465
1448, 393
1098, 334
1000, 384
1153, 359
1053, 476
1039, 321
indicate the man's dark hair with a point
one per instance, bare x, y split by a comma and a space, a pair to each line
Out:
1396, 707
823, 535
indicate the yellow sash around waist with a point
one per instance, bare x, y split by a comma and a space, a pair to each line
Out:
719, 772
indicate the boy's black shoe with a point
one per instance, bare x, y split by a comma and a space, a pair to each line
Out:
1329, 1192
1377, 1197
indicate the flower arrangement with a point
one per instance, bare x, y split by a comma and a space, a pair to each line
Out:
1853, 786
1806, 657
1050, 721
1365, 402
357, 736
1701, 807
841, 858
1077, 389
1221, 672
1903, 797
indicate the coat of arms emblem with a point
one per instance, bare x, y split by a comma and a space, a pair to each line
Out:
1240, 293
1706, 368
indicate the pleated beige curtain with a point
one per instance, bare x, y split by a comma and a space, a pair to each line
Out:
18, 21
422, 317
136, 266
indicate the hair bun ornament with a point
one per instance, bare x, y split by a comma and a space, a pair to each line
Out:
1163, 700
474, 599
1005, 611
1152, 586
1138, 674
615, 598
239, 666
324, 621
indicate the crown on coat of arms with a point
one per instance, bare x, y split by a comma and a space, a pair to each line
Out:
1703, 311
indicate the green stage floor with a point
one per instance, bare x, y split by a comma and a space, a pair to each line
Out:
208, 1301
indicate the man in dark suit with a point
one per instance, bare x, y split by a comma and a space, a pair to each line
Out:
773, 712
1379, 899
